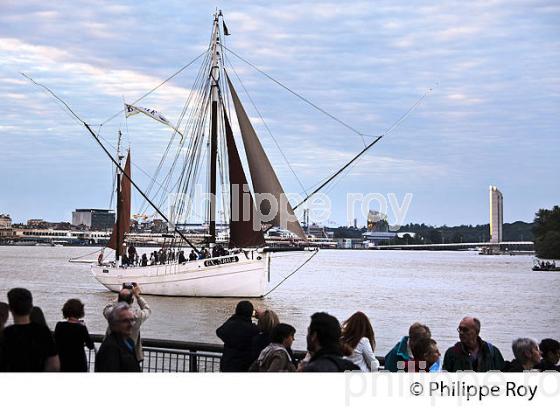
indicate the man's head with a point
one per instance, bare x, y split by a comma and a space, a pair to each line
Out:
323, 332
418, 331
20, 301
244, 309
126, 295
469, 329
283, 334
550, 350
121, 319
526, 351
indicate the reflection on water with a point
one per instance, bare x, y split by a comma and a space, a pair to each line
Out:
394, 288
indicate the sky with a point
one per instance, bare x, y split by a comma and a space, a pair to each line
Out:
490, 71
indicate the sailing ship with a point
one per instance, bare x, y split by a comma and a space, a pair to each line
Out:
243, 268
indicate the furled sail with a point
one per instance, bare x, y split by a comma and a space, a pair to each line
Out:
242, 232
263, 176
124, 210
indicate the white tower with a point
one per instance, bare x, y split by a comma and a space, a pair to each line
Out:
496, 214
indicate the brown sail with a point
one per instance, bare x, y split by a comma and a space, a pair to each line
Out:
263, 176
124, 210
242, 233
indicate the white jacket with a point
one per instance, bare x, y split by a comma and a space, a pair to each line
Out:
363, 356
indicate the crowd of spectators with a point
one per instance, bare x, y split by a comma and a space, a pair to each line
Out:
28, 345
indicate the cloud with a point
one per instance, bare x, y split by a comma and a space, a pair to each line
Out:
64, 71
496, 63
462, 98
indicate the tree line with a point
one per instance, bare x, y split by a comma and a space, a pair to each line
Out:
547, 233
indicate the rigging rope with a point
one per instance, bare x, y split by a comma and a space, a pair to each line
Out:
354, 160
87, 254
301, 97
156, 87
291, 274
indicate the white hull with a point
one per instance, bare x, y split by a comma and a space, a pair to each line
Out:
239, 275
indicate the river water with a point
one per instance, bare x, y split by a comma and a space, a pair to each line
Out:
394, 288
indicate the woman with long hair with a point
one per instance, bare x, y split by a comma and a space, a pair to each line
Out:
267, 320
358, 342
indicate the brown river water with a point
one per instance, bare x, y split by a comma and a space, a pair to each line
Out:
394, 288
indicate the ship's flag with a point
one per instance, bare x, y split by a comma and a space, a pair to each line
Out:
131, 110
226, 31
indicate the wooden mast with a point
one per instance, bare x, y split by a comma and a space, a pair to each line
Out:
214, 80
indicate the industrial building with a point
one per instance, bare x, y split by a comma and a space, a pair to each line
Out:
94, 219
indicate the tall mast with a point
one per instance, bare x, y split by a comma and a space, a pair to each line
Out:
118, 184
214, 81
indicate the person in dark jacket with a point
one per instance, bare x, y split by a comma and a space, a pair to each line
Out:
27, 346
550, 352
4, 315
527, 356
401, 353
237, 334
472, 353
182, 258
117, 352
71, 336
37, 316
323, 344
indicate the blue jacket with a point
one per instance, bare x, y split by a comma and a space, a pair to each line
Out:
397, 353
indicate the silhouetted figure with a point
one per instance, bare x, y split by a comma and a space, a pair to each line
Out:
237, 333
550, 352
71, 336
182, 258
28, 347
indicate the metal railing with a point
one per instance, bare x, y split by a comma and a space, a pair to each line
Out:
172, 356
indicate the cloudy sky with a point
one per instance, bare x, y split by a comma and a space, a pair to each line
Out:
492, 117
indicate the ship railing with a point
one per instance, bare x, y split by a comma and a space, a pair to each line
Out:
173, 356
